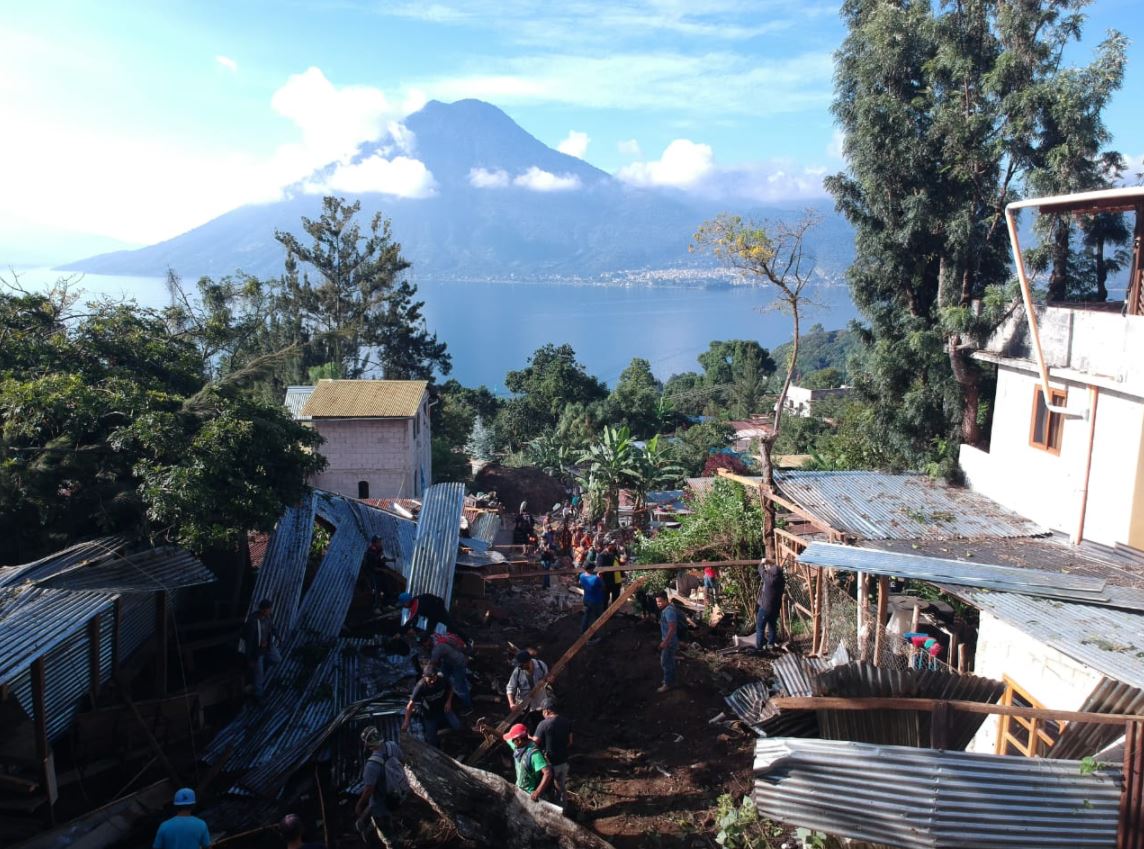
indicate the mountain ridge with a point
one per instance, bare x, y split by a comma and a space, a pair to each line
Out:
599, 227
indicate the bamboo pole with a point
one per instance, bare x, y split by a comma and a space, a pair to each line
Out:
880, 625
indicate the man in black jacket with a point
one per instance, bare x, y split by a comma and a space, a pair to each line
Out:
770, 603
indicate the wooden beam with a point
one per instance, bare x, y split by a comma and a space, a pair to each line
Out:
770, 495
939, 726
1130, 830
556, 669
627, 567
43, 749
928, 705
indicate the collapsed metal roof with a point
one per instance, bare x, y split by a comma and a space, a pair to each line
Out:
321, 675
873, 505
1083, 739
802, 677
90, 550
167, 568
34, 621
936, 570
926, 799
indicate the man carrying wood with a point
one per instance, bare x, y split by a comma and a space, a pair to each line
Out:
533, 772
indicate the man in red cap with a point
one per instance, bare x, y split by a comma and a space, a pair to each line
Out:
533, 773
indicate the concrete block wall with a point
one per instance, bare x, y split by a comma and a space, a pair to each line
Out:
379, 451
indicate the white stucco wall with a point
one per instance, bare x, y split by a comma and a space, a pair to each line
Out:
1047, 487
1052, 678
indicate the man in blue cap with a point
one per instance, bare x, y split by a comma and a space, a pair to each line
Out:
183, 831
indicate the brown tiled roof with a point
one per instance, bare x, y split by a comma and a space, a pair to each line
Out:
339, 399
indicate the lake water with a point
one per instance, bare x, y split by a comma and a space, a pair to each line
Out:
491, 327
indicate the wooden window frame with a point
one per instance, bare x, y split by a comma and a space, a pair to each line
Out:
1054, 422
1036, 735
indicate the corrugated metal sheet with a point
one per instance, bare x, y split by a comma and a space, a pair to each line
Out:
35, 622
1083, 739
1105, 639
92, 550
936, 570
793, 674
438, 535
284, 566
484, 527
872, 505
926, 799
901, 728
397, 533
365, 399
147, 571
296, 398
752, 704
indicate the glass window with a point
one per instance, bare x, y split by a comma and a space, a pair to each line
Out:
1047, 427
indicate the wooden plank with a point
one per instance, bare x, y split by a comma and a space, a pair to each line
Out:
939, 726
556, 669
627, 567
927, 705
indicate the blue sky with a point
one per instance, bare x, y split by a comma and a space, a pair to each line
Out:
136, 121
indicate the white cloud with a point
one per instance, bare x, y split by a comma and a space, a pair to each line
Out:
400, 176
629, 147
227, 62
837, 146
482, 178
574, 144
683, 163
538, 180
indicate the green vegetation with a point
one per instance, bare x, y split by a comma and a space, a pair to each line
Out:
949, 112
114, 419
821, 350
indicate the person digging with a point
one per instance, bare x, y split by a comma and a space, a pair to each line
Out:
533, 772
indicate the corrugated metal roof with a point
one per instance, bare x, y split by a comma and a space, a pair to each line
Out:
296, 398
284, 565
902, 728
165, 568
438, 535
1108, 640
91, 550
365, 399
484, 527
34, 622
926, 799
872, 505
1083, 739
936, 570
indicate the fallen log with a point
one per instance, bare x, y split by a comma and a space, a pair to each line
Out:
486, 810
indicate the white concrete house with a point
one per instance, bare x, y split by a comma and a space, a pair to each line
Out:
1067, 451
801, 401
376, 432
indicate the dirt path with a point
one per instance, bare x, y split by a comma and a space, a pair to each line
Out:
647, 768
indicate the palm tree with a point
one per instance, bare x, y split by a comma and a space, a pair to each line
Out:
610, 464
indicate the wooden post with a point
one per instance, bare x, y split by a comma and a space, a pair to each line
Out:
556, 669
816, 612
880, 625
43, 749
951, 653
962, 656
824, 590
939, 726
863, 615
161, 643
914, 620
1130, 832
156, 747
93, 659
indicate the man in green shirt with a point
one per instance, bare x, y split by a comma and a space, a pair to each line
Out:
533, 774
